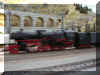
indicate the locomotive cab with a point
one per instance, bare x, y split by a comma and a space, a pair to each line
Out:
93, 38
82, 40
97, 39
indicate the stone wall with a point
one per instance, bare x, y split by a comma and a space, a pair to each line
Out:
29, 21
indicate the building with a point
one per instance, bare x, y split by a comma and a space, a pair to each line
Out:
14, 20
44, 16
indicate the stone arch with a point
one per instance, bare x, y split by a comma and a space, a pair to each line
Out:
5, 20
27, 21
58, 22
5, 17
50, 22
40, 22
1, 19
15, 20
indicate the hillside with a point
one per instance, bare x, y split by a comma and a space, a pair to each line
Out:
72, 17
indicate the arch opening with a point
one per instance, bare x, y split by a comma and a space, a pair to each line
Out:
50, 22
27, 21
15, 20
39, 22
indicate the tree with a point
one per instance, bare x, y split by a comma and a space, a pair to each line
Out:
82, 9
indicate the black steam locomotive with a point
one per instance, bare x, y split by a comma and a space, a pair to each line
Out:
54, 40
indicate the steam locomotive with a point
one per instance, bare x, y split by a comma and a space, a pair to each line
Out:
48, 41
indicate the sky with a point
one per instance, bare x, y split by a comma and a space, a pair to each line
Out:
93, 7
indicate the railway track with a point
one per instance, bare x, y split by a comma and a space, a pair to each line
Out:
78, 66
47, 59
59, 71
39, 55
36, 60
